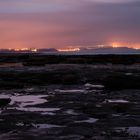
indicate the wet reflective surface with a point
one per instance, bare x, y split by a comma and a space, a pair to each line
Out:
70, 102
132, 131
70, 113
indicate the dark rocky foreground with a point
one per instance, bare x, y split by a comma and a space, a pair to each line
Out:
70, 102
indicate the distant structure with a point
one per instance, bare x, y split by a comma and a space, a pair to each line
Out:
98, 49
17, 50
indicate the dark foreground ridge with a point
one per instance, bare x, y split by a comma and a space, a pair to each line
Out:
41, 60
65, 101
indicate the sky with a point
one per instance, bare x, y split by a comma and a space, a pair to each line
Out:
64, 23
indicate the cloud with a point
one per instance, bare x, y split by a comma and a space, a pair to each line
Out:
59, 23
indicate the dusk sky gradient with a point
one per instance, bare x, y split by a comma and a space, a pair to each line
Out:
62, 23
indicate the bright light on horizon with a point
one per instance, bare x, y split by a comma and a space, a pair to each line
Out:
121, 44
23, 49
78, 48
116, 44
69, 50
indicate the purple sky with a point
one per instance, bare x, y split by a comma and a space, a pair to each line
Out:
62, 23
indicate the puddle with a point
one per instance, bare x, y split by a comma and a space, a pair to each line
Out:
28, 100
19, 124
37, 109
35, 89
133, 131
128, 74
4, 97
71, 91
89, 86
48, 113
46, 126
30, 89
26, 103
90, 120
71, 112
115, 101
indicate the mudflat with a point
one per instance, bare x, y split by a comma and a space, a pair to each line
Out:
70, 101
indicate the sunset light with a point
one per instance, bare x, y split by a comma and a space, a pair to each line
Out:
69, 69
23, 49
59, 23
116, 44
69, 50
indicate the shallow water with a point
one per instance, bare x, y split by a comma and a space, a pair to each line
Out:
44, 126
27, 103
116, 101
2, 96
132, 131
64, 115
70, 91
37, 109
28, 100
71, 112
88, 85
89, 120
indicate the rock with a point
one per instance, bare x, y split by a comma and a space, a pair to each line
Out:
4, 101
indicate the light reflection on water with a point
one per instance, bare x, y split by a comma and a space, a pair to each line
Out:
89, 86
28, 100
44, 126
70, 91
134, 131
89, 120
115, 101
37, 109
26, 103
31, 103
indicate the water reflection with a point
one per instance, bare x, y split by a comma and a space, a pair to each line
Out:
89, 120
115, 101
132, 131
46, 126
28, 100
27, 103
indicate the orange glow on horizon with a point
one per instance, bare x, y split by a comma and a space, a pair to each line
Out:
117, 44
34, 50
69, 50
23, 49
129, 45
136, 46
77, 48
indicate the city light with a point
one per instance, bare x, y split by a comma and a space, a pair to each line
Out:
69, 50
